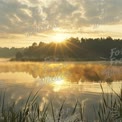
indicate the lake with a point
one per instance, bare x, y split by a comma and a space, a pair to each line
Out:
59, 81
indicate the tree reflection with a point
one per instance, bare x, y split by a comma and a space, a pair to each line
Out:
73, 72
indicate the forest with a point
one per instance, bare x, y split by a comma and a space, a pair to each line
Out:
6, 52
73, 49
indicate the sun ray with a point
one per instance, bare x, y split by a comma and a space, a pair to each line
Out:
69, 48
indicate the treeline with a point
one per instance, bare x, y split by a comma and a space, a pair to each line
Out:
9, 52
72, 49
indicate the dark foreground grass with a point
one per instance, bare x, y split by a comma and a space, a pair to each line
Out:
109, 110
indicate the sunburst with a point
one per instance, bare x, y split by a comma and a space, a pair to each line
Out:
59, 38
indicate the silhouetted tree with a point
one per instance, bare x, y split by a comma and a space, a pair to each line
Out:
19, 55
73, 49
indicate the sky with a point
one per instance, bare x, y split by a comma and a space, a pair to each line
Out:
23, 22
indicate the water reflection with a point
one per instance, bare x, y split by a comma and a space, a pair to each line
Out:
73, 72
57, 74
57, 81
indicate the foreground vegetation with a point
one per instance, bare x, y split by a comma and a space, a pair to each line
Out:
108, 110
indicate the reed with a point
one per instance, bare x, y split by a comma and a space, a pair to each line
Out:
110, 107
109, 110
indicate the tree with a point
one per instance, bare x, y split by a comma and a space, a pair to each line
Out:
75, 49
109, 38
19, 55
34, 44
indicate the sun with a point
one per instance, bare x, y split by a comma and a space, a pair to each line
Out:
59, 38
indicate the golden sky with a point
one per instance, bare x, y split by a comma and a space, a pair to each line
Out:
23, 22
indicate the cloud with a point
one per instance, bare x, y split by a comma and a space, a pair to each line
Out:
37, 16
103, 11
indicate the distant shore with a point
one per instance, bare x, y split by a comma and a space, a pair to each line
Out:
54, 59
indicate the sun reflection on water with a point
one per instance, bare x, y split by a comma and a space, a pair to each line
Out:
59, 81
59, 84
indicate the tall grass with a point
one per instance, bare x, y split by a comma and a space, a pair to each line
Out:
109, 110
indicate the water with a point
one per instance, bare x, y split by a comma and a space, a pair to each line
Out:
59, 81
